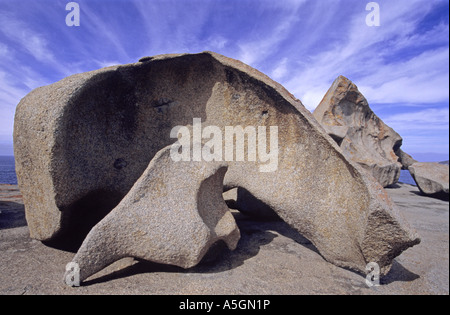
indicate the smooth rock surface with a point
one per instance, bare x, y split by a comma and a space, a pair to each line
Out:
431, 178
270, 258
345, 114
81, 144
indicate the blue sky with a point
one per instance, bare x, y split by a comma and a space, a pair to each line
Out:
402, 66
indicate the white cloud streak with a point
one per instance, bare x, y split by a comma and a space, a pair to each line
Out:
33, 43
10, 95
253, 52
427, 119
303, 44
363, 53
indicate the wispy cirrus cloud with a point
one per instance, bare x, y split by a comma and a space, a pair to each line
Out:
421, 79
4, 51
101, 27
10, 95
427, 119
255, 51
377, 58
25, 38
401, 66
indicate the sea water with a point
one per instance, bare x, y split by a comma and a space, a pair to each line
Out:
405, 177
7, 170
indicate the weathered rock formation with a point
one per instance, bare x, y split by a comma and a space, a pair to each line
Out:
172, 215
431, 178
83, 142
345, 114
405, 159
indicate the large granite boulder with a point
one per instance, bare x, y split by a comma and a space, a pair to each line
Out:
83, 142
431, 178
365, 139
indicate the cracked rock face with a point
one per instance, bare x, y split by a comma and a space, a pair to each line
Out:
362, 135
82, 144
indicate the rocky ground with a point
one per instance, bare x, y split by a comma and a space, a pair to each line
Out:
271, 258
